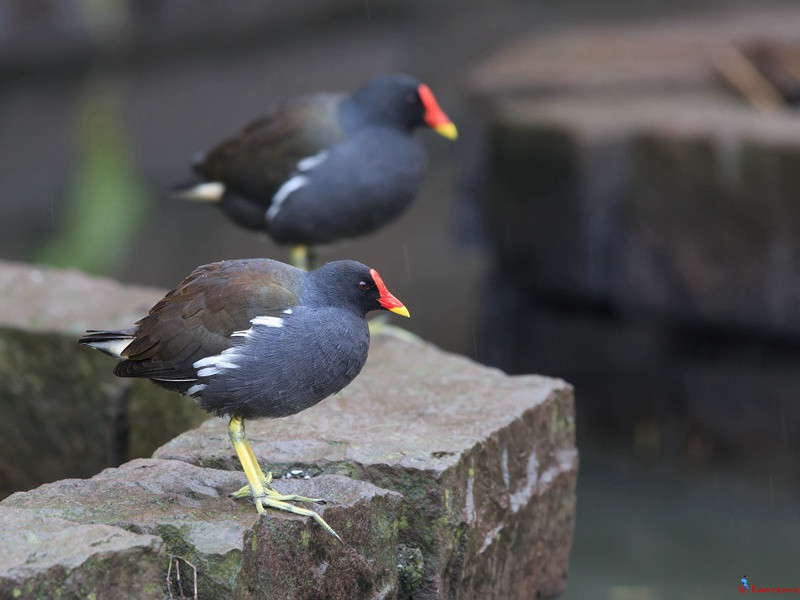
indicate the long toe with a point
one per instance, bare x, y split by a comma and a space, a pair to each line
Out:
270, 502
276, 495
246, 492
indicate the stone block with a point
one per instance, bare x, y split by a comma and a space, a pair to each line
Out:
710, 224
65, 413
686, 212
49, 557
236, 553
621, 170
486, 464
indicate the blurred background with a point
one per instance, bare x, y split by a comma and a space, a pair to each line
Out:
622, 210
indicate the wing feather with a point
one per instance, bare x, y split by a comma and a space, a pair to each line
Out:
197, 318
261, 157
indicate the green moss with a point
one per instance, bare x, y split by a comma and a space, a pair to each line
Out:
401, 523
151, 588
410, 570
218, 571
174, 539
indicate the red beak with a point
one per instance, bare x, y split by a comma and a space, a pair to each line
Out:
434, 116
386, 299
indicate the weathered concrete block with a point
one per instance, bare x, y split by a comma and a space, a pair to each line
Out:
686, 212
236, 553
49, 557
486, 464
639, 208
65, 414
621, 170
711, 222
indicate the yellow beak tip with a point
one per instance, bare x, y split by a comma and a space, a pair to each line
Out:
400, 310
447, 130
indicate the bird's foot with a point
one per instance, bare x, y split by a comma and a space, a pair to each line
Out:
266, 500
246, 492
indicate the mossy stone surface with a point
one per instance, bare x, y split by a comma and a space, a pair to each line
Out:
236, 553
44, 557
486, 464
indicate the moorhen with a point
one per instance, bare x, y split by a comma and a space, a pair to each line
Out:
324, 167
252, 339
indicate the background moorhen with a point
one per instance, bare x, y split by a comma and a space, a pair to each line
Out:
324, 167
255, 338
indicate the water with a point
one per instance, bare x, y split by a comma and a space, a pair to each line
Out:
664, 532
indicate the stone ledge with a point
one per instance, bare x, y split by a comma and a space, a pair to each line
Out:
621, 171
486, 464
43, 299
47, 557
662, 58
102, 420
236, 553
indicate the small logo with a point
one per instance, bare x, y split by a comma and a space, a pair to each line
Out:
747, 587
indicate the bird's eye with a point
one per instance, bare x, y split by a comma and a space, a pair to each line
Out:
411, 98
363, 285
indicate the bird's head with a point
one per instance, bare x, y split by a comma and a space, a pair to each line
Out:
348, 283
406, 101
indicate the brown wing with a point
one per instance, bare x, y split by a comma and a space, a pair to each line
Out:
197, 318
265, 153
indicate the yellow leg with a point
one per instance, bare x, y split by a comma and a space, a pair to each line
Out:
255, 476
245, 491
303, 257
239, 441
299, 257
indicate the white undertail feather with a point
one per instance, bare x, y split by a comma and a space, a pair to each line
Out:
208, 191
113, 348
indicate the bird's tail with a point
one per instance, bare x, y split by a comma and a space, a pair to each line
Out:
204, 191
108, 342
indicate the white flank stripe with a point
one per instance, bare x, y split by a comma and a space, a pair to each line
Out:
309, 162
268, 321
210, 191
196, 388
291, 186
213, 365
204, 362
208, 372
288, 311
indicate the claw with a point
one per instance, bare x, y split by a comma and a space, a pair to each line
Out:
270, 502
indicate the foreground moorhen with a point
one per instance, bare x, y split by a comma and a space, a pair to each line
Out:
324, 167
255, 338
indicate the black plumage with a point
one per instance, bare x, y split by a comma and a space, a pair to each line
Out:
291, 337
252, 339
324, 167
